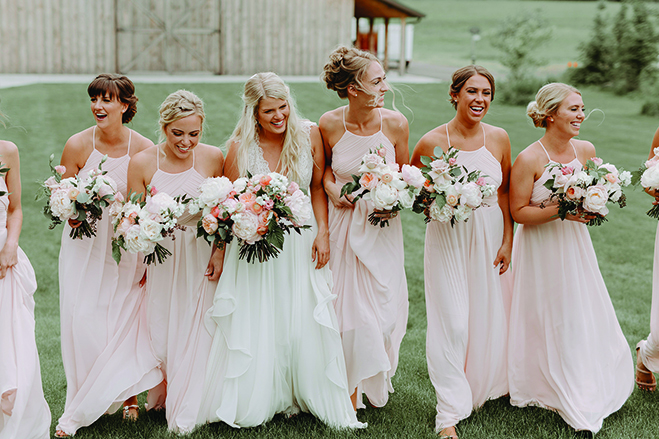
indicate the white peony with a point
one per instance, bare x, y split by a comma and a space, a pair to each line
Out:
214, 190
151, 230
413, 176
443, 215
462, 213
61, 205
160, 203
384, 196
650, 178
595, 199
240, 184
135, 242
245, 225
471, 195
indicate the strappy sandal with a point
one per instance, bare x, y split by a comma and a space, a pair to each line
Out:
128, 416
448, 433
647, 386
61, 434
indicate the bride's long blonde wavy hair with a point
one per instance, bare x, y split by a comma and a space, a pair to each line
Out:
260, 86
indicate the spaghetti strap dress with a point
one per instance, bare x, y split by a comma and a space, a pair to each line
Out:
568, 353
649, 348
466, 341
276, 345
368, 266
24, 413
178, 297
106, 350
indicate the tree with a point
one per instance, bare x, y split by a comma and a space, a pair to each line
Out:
597, 54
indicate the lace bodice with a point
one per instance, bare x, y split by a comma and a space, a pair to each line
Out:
258, 165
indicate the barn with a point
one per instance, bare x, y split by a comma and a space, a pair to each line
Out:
224, 37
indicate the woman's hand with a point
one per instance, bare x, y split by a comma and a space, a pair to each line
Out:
320, 251
8, 258
503, 257
580, 217
334, 194
215, 264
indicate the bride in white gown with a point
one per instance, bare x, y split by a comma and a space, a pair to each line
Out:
276, 346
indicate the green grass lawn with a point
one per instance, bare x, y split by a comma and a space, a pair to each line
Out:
443, 36
42, 117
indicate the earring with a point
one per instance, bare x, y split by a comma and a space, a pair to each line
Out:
550, 119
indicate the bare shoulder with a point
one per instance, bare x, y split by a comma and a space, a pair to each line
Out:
585, 149
393, 119
145, 156
531, 157
8, 148
139, 142
433, 138
331, 119
496, 133
209, 152
80, 142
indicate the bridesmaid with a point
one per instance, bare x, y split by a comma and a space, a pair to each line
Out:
647, 351
105, 346
24, 413
178, 293
276, 345
367, 262
467, 326
569, 354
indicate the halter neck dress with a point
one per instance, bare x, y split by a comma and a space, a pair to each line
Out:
106, 349
24, 413
569, 354
466, 340
368, 266
179, 295
276, 345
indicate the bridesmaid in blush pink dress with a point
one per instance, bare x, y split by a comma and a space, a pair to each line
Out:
568, 353
106, 349
367, 262
179, 292
24, 413
466, 342
647, 351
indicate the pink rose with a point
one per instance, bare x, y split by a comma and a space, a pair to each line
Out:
368, 181
153, 191
567, 170
60, 169
611, 178
598, 161
452, 161
481, 181
293, 187
381, 151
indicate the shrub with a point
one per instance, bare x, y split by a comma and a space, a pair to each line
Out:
519, 91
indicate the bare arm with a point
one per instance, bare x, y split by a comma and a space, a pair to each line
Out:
402, 140
655, 144
332, 189
320, 250
9, 253
505, 251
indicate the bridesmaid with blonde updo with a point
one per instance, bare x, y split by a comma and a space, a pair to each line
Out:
568, 353
367, 261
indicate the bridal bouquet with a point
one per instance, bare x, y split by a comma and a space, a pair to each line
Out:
450, 193
139, 226
587, 190
383, 184
648, 177
78, 198
217, 202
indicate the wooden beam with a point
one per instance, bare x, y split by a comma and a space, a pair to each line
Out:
386, 44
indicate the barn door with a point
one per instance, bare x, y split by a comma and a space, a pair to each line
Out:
168, 36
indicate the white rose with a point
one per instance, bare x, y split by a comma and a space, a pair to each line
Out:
406, 199
615, 192
471, 195
462, 213
61, 205
413, 176
244, 227
560, 180
160, 203
151, 230
384, 196
51, 183
300, 206
625, 178
240, 184
595, 199
135, 242
214, 190
443, 215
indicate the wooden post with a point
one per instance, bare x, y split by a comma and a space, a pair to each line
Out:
401, 64
371, 39
386, 44
356, 42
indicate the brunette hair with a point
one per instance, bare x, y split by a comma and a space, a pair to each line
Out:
115, 86
346, 66
462, 75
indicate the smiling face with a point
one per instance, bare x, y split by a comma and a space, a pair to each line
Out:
569, 115
107, 110
272, 115
183, 135
473, 99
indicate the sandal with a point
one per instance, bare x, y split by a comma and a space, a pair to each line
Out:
648, 386
61, 433
448, 433
131, 413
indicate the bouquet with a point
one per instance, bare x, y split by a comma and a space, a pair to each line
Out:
78, 198
3, 171
648, 177
450, 193
257, 210
139, 226
383, 184
587, 190
217, 202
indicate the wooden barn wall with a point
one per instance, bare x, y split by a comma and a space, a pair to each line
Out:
289, 37
56, 36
